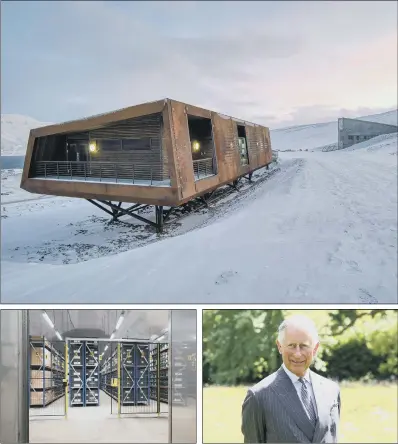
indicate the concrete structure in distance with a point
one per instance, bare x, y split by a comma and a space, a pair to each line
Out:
352, 131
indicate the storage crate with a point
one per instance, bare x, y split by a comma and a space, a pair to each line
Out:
142, 396
142, 377
127, 396
76, 396
92, 381
142, 355
92, 397
41, 398
40, 357
40, 378
127, 354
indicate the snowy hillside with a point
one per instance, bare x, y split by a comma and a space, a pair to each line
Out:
15, 133
386, 143
389, 117
309, 137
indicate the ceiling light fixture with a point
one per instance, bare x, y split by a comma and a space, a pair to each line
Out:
48, 320
120, 321
93, 147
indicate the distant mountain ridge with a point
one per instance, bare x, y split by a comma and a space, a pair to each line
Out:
15, 132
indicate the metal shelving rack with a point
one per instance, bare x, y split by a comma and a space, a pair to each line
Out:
107, 373
127, 374
159, 376
91, 373
184, 369
142, 382
134, 374
83, 373
47, 367
76, 373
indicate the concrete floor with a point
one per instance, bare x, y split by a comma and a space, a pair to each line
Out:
95, 424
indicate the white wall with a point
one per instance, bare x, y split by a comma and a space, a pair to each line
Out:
14, 400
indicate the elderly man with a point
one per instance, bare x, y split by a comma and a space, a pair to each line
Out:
294, 404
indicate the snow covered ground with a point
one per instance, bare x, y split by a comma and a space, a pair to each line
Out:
11, 191
320, 228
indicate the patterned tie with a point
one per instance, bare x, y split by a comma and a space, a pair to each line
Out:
307, 401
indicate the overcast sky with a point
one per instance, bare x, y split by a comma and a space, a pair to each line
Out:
276, 63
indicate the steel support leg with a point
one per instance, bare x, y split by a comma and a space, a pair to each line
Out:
116, 212
203, 199
167, 215
101, 207
159, 218
129, 213
234, 185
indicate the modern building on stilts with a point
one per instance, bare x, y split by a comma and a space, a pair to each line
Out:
162, 154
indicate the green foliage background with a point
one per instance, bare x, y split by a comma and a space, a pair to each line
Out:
239, 345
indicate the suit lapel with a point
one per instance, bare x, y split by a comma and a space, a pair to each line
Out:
322, 404
288, 396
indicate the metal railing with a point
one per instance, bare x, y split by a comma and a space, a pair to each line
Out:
203, 168
118, 172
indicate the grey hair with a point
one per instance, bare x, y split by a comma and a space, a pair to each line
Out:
299, 321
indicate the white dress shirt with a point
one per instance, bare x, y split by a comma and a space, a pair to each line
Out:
297, 385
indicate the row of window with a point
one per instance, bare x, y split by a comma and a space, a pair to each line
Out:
352, 138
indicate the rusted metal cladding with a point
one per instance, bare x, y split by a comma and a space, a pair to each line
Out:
168, 149
182, 149
98, 121
166, 196
226, 147
268, 148
28, 159
261, 145
251, 135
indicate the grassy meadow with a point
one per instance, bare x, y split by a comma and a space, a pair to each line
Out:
369, 413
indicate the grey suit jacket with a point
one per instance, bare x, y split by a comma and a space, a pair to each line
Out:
273, 412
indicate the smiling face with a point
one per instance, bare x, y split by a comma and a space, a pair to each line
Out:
297, 349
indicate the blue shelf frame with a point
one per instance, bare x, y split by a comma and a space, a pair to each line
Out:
84, 368
146, 390
96, 367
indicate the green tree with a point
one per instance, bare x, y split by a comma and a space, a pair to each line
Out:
366, 344
239, 345
343, 320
